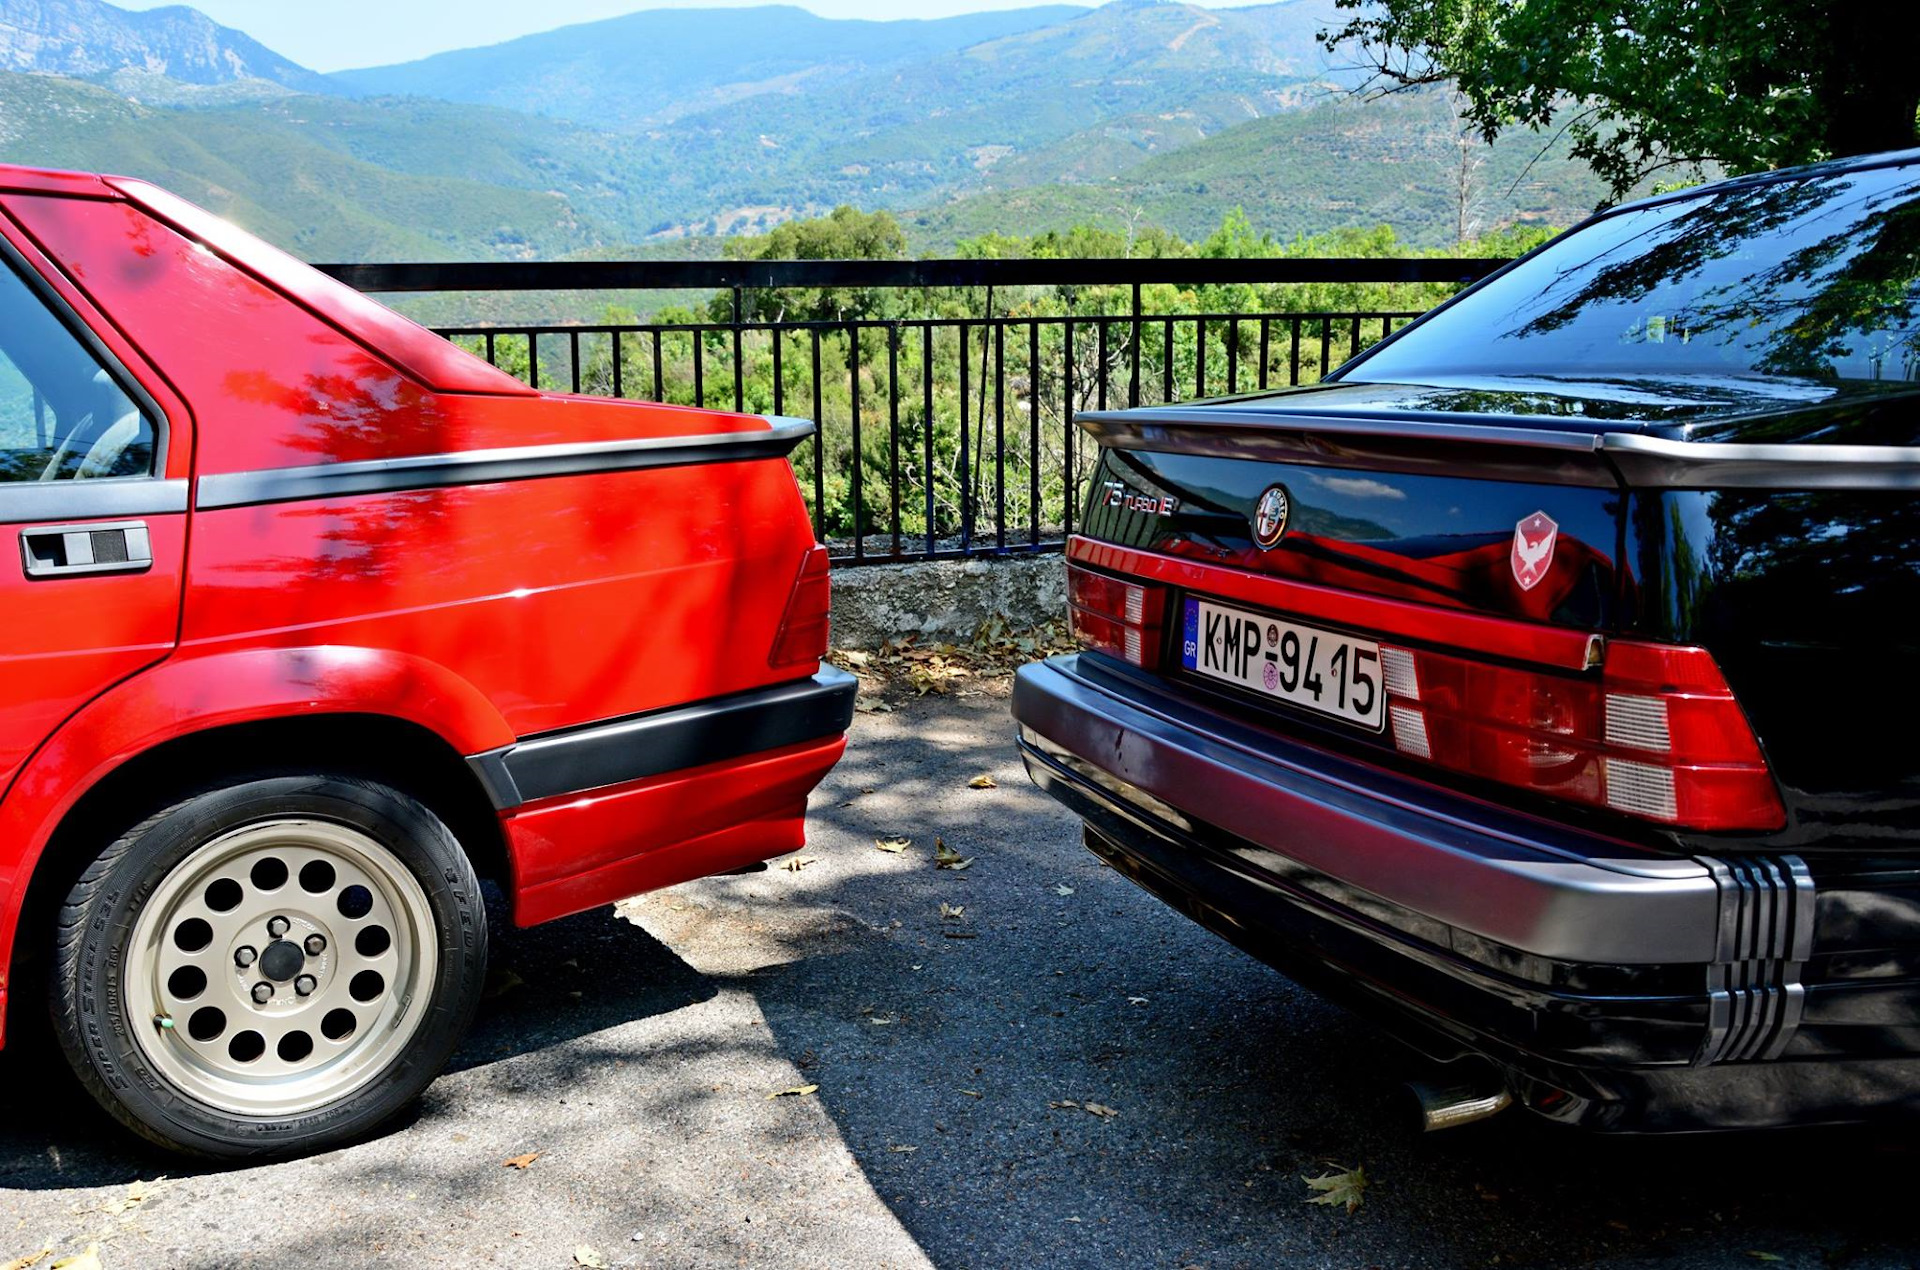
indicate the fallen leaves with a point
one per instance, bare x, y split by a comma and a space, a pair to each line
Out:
951, 912
30, 1259
945, 857
137, 1194
892, 846
500, 982
521, 1162
798, 1091
589, 1257
1063, 889
1346, 1187
1091, 1108
800, 862
902, 1150
88, 1260
983, 781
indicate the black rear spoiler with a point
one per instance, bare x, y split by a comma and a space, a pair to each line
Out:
1482, 445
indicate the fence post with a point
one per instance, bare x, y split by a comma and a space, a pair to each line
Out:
1133, 351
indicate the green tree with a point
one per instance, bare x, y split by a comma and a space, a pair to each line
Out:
1642, 85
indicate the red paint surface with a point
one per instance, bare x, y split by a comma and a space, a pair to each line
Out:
482, 613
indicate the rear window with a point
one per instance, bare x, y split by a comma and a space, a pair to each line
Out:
1815, 278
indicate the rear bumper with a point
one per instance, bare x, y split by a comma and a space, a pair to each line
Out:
1612, 987
596, 814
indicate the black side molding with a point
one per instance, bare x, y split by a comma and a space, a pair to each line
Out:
477, 467
645, 745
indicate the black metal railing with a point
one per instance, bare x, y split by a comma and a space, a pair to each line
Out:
940, 435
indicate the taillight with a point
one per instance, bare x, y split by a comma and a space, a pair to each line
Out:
1115, 616
803, 630
1656, 735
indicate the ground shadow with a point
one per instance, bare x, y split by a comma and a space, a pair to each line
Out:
546, 986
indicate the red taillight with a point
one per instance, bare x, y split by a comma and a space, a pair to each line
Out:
803, 631
1656, 735
1114, 616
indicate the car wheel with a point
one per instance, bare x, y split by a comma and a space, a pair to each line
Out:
271, 967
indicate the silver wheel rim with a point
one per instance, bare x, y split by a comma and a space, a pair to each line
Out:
333, 925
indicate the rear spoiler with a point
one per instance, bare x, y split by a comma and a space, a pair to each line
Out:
1497, 449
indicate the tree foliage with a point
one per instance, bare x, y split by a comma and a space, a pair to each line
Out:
1642, 85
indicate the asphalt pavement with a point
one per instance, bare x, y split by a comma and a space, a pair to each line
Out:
1025, 1062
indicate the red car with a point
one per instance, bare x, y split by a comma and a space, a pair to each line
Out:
314, 620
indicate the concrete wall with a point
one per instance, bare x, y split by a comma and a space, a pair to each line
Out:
948, 600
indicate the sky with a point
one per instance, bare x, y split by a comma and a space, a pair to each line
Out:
331, 35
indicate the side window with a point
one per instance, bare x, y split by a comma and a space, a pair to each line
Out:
62, 416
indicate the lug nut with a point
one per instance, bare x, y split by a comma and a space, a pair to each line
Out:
244, 956
277, 926
262, 992
305, 985
316, 944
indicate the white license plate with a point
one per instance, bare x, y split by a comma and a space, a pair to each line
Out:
1333, 674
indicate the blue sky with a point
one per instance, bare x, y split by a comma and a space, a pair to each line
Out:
331, 35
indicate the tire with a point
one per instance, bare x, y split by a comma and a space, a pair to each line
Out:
269, 968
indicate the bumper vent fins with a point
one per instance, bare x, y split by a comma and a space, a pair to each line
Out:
1754, 993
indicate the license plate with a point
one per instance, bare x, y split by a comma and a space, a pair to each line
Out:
1303, 665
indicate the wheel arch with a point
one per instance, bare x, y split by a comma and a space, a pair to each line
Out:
364, 713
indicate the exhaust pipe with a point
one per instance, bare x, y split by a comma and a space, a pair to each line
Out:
1448, 1106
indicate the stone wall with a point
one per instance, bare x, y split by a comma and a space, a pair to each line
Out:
948, 600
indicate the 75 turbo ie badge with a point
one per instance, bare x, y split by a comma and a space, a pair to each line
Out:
1118, 495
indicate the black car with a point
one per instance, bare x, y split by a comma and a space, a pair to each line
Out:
1543, 684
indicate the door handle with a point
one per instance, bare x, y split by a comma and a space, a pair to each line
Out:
58, 551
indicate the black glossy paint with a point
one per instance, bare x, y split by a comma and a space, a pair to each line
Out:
1780, 311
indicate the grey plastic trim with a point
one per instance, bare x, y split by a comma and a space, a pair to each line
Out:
1645, 462
478, 467
30, 502
1656, 461
667, 740
1585, 899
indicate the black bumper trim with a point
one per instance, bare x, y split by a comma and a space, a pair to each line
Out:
1556, 893
634, 748
1615, 967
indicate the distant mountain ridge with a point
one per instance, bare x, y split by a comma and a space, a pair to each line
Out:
669, 126
88, 39
656, 65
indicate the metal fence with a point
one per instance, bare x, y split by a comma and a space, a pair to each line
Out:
940, 436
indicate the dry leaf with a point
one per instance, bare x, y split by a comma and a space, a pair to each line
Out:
1101, 1110
945, 857
1063, 889
30, 1259
520, 1161
854, 657
951, 912
971, 1093
88, 1260
903, 1150
589, 1257
983, 782
1337, 1189
1757, 1255
136, 1193
501, 982
1064, 1102
798, 1091
799, 862
893, 846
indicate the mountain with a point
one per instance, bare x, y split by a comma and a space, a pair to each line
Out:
86, 38
1338, 162
259, 165
1140, 111
656, 65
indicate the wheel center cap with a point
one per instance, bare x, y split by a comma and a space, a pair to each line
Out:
282, 960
